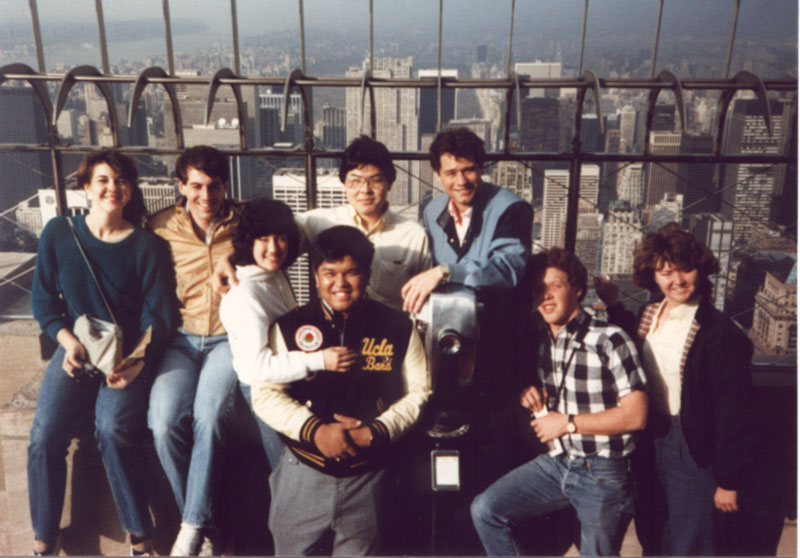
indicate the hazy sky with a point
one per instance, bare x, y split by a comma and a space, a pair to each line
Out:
758, 18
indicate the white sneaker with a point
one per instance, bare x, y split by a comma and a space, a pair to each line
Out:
188, 541
210, 546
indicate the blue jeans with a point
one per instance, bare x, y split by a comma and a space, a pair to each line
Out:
120, 428
273, 446
596, 487
189, 403
689, 491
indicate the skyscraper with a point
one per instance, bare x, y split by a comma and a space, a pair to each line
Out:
621, 235
334, 128
662, 177
588, 241
540, 124
289, 186
556, 186
22, 121
748, 189
712, 230
428, 102
630, 185
539, 70
697, 179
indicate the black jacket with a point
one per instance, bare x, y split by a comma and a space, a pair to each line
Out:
716, 415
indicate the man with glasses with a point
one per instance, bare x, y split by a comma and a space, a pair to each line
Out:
401, 245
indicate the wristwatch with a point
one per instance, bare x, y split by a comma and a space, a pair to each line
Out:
445, 269
572, 428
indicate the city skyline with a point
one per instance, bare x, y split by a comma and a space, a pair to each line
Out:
615, 197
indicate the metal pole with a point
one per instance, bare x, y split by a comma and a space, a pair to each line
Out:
439, 71
302, 38
101, 31
168, 35
583, 37
734, 22
235, 31
371, 44
511, 39
37, 36
573, 194
658, 36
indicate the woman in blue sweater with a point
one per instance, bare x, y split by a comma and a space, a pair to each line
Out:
134, 272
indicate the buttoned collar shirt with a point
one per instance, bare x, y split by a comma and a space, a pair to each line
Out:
589, 367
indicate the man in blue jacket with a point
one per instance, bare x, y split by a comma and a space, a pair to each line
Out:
480, 233
480, 237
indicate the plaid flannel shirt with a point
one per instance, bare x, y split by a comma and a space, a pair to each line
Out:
602, 366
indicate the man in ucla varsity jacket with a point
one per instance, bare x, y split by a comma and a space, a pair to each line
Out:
340, 426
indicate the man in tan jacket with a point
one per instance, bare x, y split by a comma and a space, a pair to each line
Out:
195, 381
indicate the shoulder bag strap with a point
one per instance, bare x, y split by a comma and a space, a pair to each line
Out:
96, 282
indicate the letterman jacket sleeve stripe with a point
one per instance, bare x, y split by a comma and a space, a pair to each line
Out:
405, 412
276, 407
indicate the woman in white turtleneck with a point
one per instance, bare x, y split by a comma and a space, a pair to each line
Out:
266, 243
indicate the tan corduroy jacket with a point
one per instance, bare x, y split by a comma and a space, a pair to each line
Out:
194, 262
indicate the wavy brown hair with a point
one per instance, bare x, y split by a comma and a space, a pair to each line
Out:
134, 211
674, 245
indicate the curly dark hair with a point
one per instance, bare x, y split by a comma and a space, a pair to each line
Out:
264, 217
366, 151
560, 259
134, 211
336, 243
458, 142
676, 246
203, 158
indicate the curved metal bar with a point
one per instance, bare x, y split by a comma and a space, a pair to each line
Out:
39, 87
658, 36
591, 79
213, 86
141, 82
669, 80
734, 22
583, 36
747, 80
308, 129
287, 92
70, 80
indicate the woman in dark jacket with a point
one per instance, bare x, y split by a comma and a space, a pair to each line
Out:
697, 362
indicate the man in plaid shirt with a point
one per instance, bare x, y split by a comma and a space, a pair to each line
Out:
593, 399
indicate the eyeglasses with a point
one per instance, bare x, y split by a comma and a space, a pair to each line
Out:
375, 182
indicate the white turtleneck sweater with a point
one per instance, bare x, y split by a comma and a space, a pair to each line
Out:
247, 312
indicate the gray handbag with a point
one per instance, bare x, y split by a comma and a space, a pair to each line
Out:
101, 339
